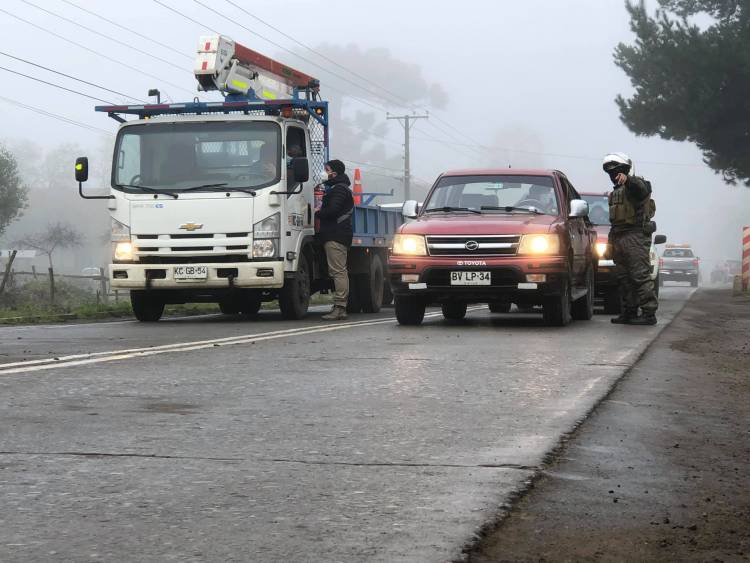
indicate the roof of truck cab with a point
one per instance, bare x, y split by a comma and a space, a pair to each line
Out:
501, 172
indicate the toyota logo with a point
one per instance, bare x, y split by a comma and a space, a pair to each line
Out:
471, 245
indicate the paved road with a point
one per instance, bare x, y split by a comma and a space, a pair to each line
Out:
216, 439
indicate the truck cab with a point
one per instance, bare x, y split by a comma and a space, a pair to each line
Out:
498, 237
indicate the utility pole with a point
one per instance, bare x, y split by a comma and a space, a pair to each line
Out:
406, 123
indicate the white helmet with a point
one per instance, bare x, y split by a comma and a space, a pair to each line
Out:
618, 162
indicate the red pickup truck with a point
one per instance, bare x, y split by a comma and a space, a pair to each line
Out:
498, 237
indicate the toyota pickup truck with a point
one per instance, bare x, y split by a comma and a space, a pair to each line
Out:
498, 237
678, 263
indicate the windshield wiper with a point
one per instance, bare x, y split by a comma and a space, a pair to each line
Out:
223, 186
449, 208
147, 189
510, 208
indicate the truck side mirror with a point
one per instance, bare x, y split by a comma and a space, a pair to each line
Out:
82, 169
579, 208
410, 209
300, 169
660, 239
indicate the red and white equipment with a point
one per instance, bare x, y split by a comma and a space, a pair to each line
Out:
226, 66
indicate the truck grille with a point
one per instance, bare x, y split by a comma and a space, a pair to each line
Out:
467, 245
231, 247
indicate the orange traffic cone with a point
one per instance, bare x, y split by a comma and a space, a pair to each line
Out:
357, 186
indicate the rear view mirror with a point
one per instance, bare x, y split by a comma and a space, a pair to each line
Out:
579, 208
82, 169
300, 169
660, 239
410, 209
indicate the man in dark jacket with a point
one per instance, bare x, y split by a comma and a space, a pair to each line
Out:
630, 209
335, 232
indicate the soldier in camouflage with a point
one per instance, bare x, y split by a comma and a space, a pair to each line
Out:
630, 212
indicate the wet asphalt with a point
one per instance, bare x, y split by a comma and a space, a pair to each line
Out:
222, 439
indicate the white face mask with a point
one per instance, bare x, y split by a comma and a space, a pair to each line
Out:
324, 176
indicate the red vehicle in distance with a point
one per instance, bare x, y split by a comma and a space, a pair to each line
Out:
497, 236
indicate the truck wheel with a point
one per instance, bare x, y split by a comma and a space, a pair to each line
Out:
294, 297
556, 310
583, 308
371, 288
146, 307
612, 304
250, 305
499, 307
454, 311
354, 303
409, 310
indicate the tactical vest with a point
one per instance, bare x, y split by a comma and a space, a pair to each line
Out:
622, 211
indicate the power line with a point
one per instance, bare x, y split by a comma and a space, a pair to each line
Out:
55, 85
54, 115
141, 35
69, 76
111, 59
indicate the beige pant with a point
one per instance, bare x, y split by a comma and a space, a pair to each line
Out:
336, 254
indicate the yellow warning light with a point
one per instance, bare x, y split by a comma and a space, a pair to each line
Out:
79, 166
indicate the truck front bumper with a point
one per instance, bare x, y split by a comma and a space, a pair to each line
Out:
259, 275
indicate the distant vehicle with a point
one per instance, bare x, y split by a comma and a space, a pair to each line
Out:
678, 263
606, 283
499, 237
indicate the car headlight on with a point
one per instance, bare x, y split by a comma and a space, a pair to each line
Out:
266, 235
539, 244
409, 245
124, 251
601, 249
120, 231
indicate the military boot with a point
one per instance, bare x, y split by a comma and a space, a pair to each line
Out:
646, 319
625, 318
337, 314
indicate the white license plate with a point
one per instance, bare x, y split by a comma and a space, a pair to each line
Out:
470, 278
677, 272
190, 273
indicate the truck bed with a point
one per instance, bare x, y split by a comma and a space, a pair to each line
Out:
374, 226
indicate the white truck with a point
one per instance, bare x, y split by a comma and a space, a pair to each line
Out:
214, 201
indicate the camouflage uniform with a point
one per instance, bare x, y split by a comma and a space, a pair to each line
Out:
631, 244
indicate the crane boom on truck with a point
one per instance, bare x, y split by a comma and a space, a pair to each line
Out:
213, 201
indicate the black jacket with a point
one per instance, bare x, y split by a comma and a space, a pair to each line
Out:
336, 211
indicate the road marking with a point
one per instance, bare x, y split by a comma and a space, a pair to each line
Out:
114, 355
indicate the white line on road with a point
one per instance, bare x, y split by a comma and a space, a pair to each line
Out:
113, 355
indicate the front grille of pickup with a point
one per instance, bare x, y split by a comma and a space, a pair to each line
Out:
467, 245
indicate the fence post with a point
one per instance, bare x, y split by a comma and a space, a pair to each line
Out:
33, 271
51, 286
11, 258
103, 286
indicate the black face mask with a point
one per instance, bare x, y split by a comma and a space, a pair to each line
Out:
613, 176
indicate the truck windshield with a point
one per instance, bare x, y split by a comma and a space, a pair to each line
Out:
495, 194
598, 208
180, 156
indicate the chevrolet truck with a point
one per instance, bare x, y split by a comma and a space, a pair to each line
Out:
214, 201
497, 237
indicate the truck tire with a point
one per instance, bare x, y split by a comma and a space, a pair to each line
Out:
556, 310
409, 310
583, 308
612, 301
250, 305
371, 288
453, 311
147, 307
353, 303
294, 297
499, 307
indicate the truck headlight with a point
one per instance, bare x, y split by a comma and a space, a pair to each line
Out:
601, 249
124, 251
539, 244
266, 235
120, 231
409, 245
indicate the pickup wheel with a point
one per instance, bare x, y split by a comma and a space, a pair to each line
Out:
612, 301
147, 308
294, 297
556, 310
409, 310
371, 289
454, 311
583, 308
499, 307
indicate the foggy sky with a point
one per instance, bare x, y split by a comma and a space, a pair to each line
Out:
533, 74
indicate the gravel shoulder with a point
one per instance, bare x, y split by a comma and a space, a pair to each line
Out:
659, 471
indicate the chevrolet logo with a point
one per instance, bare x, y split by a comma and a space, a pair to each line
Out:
191, 226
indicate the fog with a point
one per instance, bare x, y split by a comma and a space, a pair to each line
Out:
507, 83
